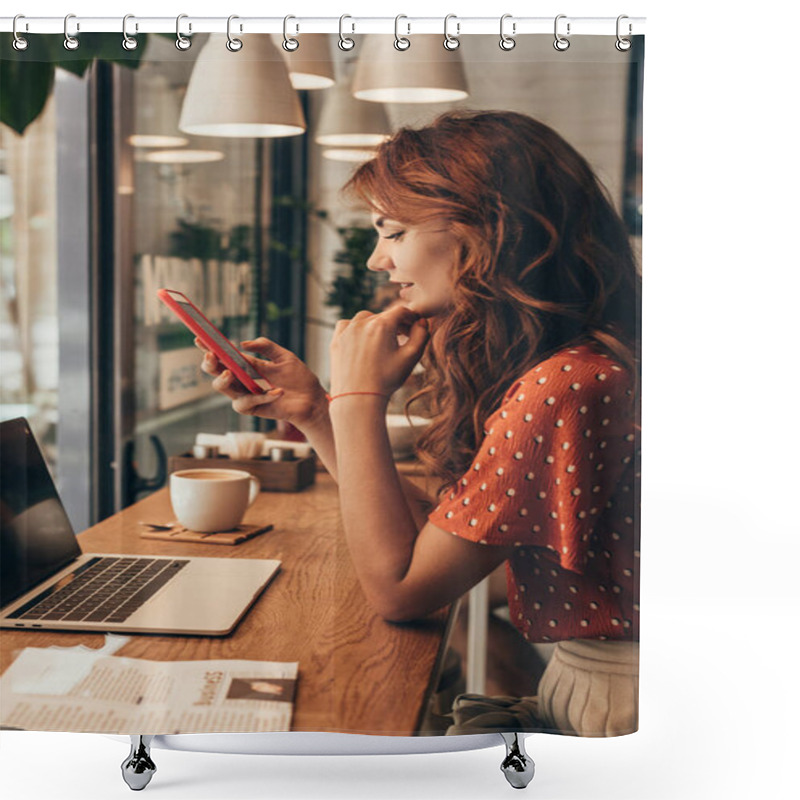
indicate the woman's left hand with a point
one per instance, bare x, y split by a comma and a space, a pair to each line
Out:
366, 355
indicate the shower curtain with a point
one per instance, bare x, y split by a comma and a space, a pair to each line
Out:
482, 199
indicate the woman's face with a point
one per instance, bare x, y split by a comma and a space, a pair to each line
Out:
420, 258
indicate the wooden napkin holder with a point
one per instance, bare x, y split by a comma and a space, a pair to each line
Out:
274, 476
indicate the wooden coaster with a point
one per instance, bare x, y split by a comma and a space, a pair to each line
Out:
240, 533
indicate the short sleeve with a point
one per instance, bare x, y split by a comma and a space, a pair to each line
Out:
551, 458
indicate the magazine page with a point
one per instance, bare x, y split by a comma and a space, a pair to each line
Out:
48, 689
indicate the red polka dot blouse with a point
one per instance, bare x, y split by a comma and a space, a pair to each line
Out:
557, 476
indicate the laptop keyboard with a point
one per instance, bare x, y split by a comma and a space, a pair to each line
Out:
108, 590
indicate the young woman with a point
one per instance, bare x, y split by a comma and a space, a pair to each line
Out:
520, 295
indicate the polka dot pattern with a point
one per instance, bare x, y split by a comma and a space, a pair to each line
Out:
561, 496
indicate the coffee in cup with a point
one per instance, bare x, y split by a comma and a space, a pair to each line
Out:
212, 500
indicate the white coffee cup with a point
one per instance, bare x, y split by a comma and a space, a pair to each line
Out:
211, 500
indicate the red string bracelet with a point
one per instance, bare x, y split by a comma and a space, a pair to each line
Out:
330, 398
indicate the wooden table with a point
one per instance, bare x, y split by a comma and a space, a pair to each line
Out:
357, 672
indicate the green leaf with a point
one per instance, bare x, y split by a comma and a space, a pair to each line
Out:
24, 89
76, 67
26, 76
273, 312
49, 48
108, 47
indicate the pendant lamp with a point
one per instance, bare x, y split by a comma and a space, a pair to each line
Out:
347, 122
155, 120
387, 75
353, 154
246, 93
185, 156
310, 65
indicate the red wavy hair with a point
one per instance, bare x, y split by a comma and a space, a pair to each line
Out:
545, 262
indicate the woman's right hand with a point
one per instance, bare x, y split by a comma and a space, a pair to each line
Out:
297, 396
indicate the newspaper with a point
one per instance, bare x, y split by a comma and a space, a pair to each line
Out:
91, 691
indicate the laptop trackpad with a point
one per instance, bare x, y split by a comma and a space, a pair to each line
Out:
207, 597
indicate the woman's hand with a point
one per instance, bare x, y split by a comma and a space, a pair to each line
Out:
298, 396
367, 355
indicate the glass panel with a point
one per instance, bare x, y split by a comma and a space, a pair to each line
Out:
28, 278
195, 212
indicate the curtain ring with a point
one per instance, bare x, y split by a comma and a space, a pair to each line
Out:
622, 44
400, 42
181, 41
561, 44
345, 43
20, 43
451, 42
234, 45
128, 42
70, 42
289, 44
506, 41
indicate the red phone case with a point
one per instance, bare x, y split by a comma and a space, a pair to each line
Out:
165, 295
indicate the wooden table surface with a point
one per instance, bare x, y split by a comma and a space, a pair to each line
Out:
357, 672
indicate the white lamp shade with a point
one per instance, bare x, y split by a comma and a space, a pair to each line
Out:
356, 154
347, 122
310, 65
430, 74
186, 156
156, 115
242, 94
156, 140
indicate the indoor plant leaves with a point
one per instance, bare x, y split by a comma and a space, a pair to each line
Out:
27, 76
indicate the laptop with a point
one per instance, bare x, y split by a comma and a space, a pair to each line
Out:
47, 582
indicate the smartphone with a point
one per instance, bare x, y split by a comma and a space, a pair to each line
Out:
213, 339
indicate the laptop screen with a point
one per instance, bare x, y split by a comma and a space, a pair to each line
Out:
37, 537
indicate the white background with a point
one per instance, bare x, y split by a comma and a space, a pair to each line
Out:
721, 550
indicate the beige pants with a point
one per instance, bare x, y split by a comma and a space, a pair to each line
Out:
589, 688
